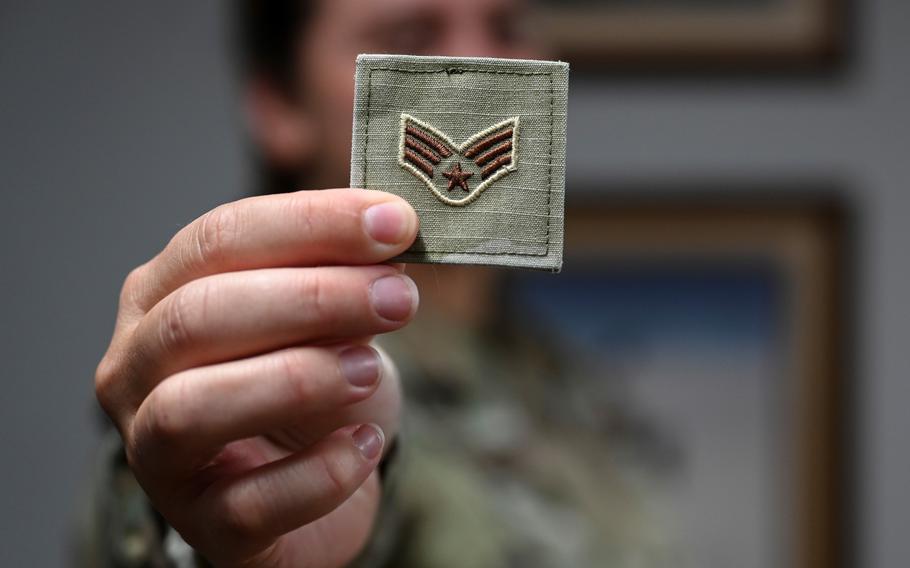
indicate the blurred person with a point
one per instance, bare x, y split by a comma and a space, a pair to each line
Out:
258, 424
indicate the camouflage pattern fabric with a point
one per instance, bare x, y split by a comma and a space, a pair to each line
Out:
506, 461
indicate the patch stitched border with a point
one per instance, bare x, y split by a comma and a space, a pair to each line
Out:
498, 168
374, 63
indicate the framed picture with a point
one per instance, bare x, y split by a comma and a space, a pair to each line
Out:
719, 326
706, 33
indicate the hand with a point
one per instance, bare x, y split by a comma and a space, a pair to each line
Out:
252, 408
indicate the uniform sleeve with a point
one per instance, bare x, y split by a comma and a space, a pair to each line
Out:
119, 528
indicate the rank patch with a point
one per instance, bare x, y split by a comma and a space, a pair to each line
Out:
477, 147
490, 154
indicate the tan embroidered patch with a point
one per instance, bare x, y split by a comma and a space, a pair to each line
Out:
443, 134
491, 154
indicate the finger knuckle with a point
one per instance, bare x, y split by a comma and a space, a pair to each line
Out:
293, 368
304, 382
106, 377
136, 441
165, 419
319, 297
179, 315
336, 479
241, 516
305, 214
133, 284
214, 233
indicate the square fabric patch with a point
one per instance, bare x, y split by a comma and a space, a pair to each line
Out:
477, 146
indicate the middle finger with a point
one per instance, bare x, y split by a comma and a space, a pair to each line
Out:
234, 315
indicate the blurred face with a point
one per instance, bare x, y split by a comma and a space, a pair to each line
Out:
311, 133
342, 29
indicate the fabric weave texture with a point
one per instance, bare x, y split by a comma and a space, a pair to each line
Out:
517, 220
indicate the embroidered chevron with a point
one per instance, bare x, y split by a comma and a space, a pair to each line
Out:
489, 155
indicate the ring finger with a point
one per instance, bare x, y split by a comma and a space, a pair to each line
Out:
190, 416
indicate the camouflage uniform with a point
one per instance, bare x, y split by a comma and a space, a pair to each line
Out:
503, 462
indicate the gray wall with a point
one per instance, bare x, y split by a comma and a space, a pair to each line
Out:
117, 126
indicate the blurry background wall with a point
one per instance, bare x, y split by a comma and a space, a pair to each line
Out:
118, 124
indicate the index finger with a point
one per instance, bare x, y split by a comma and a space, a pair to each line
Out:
305, 228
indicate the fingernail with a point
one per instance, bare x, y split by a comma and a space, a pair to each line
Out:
360, 365
387, 222
394, 297
369, 440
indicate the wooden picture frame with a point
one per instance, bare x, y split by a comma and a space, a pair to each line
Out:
805, 241
687, 33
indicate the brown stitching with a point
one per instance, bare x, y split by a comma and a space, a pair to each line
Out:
457, 176
495, 165
429, 141
487, 142
493, 152
422, 150
419, 162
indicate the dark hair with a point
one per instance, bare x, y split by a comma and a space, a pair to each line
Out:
266, 33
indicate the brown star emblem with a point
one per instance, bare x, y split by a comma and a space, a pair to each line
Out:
457, 176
